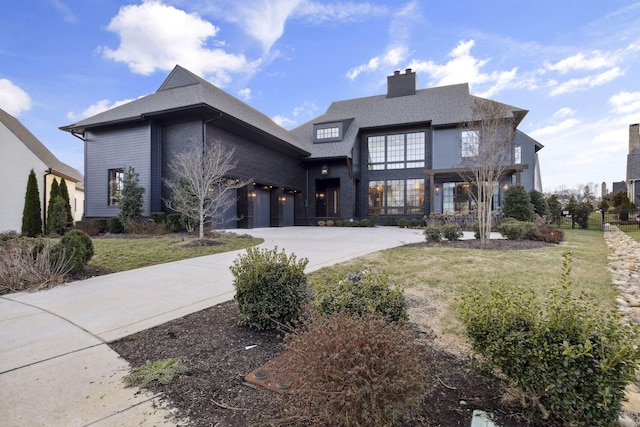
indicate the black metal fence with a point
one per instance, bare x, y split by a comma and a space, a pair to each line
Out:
625, 220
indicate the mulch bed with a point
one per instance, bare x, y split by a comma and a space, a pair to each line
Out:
220, 354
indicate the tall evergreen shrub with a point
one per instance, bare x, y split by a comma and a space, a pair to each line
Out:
517, 204
53, 193
32, 212
64, 193
131, 201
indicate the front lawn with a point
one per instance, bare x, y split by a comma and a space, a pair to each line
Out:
121, 254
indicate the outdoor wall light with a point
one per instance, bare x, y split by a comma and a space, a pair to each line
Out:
325, 170
437, 189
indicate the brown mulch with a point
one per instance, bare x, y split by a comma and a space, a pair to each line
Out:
219, 353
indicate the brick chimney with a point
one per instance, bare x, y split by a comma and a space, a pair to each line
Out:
634, 138
402, 84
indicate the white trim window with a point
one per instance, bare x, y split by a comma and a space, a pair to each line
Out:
517, 155
470, 142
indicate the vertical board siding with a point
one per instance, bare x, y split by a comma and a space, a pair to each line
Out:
121, 148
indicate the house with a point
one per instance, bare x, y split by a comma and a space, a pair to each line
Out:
22, 152
633, 166
397, 154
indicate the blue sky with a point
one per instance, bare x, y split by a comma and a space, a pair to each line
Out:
574, 64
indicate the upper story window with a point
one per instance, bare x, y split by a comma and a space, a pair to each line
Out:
396, 151
470, 143
517, 155
116, 179
328, 133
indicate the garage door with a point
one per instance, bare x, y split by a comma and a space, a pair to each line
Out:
262, 209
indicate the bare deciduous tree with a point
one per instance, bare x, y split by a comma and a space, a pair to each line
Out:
486, 155
202, 189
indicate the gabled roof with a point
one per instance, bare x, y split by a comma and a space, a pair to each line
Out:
38, 148
183, 90
438, 106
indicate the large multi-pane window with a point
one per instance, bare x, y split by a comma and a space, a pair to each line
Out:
116, 179
469, 143
396, 197
459, 197
396, 151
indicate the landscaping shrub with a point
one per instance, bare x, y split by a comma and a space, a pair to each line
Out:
78, 248
148, 228
433, 233
389, 221
158, 217
517, 204
354, 223
403, 223
89, 227
570, 358
581, 214
330, 223
414, 223
452, 232
321, 223
101, 224
31, 264
354, 371
513, 229
550, 235
115, 225
359, 293
375, 220
365, 223
270, 287
173, 222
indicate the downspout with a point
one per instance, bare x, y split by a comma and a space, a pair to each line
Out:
44, 201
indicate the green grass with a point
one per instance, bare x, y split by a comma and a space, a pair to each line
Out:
443, 273
126, 254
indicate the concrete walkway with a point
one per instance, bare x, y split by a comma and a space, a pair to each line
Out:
55, 366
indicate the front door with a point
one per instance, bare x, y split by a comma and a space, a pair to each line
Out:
328, 198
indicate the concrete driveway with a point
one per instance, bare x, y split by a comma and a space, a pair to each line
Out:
55, 366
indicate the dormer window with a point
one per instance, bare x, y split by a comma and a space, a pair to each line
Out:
327, 132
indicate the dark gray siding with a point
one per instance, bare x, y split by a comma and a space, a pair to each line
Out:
527, 176
446, 148
119, 148
155, 177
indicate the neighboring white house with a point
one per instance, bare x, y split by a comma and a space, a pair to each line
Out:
21, 151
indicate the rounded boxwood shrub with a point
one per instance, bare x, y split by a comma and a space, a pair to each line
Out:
359, 293
375, 219
115, 225
78, 247
403, 223
354, 371
433, 233
270, 287
365, 223
414, 223
570, 358
513, 229
452, 232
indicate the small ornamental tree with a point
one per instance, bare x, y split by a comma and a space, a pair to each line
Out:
64, 193
131, 201
53, 193
554, 207
32, 212
57, 218
517, 204
540, 206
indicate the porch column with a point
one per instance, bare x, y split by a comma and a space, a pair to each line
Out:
431, 194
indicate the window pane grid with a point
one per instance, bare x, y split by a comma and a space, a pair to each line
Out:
326, 133
397, 151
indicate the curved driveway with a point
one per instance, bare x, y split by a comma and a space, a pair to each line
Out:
55, 366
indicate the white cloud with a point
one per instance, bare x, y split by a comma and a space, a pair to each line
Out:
245, 94
588, 82
625, 102
284, 121
319, 12
564, 112
593, 61
13, 99
96, 108
154, 37
64, 11
305, 111
390, 59
397, 52
555, 130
